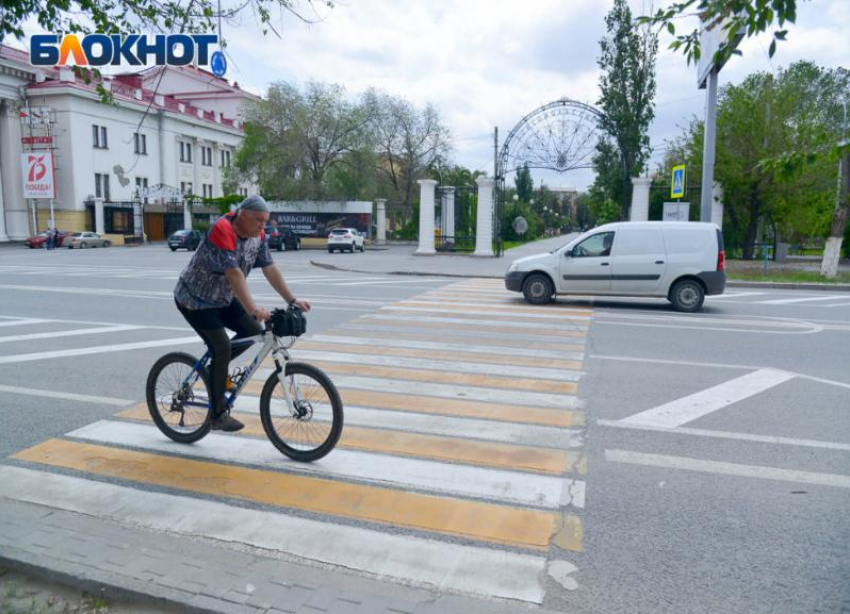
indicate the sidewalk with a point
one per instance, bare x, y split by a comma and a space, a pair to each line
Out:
402, 260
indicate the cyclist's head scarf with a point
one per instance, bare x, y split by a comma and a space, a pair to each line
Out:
254, 203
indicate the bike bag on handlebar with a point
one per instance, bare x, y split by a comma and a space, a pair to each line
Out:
288, 323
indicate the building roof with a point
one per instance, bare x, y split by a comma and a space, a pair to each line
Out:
126, 88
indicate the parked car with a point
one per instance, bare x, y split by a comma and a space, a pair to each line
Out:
348, 239
185, 239
85, 239
282, 237
40, 240
680, 261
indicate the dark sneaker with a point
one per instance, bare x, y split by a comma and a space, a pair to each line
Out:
226, 422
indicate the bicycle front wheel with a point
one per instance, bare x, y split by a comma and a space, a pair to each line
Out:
179, 409
309, 429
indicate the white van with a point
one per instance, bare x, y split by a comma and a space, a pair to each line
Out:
679, 261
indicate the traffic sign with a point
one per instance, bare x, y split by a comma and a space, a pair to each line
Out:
677, 186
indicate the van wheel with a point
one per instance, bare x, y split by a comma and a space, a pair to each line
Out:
687, 295
537, 289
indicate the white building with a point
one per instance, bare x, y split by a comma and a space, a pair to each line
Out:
163, 137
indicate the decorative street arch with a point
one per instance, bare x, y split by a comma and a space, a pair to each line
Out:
559, 136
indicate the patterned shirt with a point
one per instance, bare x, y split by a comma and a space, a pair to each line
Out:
202, 284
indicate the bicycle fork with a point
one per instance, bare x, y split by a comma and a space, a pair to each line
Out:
294, 406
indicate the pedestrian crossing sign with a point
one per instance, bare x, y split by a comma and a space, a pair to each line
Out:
677, 188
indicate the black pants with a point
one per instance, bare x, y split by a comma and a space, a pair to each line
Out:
210, 324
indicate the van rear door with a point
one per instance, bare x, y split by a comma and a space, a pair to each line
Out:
638, 261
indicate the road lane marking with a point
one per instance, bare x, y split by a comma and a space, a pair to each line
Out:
408, 558
484, 310
70, 333
410, 474
689, 408
454, 448
100, 349
808, 299
67, 396
472, 520
23, 322
769, 439
733, 469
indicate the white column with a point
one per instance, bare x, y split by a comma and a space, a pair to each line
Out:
99, 226
382, 221
3, 237
426, 217
187, 216
640, 199
717, 205
484, 222
449, 212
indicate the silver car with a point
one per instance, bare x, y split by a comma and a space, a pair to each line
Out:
86, 239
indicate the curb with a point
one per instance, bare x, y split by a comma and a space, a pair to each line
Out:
333, 267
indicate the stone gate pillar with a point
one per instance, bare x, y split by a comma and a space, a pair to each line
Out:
99, 226
717, 205
640, 199
484, 222
187, 216
426, 217
382, 221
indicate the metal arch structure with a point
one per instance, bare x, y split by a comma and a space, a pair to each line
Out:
560, 136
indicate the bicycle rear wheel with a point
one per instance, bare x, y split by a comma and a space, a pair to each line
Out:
180, 411
311, 429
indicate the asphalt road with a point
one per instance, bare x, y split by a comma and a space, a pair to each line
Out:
717, 444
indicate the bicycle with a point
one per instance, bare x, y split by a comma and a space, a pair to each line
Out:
300, 408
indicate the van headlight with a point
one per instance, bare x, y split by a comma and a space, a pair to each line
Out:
514, 266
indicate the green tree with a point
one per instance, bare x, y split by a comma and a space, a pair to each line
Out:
627, 84
118, 16
407, 142
749, 17
524, 183
295, 140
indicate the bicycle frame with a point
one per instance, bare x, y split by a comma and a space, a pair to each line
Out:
271, 344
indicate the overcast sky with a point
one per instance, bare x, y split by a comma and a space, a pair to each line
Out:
487, 63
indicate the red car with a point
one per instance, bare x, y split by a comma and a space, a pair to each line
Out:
40, 240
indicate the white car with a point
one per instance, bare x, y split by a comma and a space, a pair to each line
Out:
345, 239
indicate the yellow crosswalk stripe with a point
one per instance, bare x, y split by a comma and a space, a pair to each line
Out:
471, 326
472, 520
487, 341
451, 449
451, 407
375, 349
447, 377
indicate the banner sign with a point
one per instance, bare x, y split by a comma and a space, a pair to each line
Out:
37, 170
318, 225
677, 184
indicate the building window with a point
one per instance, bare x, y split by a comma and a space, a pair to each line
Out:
206, 156
141, 143
186, 188
243, 192
208, 190
101, 186
185, 152
225, 158
141, 184
99, 137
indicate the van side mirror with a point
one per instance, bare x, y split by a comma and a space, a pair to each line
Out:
568, 253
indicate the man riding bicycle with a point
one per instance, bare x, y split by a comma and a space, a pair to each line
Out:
212, 293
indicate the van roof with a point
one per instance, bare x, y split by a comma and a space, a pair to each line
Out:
658, 224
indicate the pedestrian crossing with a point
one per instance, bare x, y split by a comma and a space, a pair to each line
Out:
461, 466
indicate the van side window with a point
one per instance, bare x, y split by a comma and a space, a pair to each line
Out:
595, 246
639, 242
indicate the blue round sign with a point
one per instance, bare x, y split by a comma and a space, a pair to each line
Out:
218, 64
